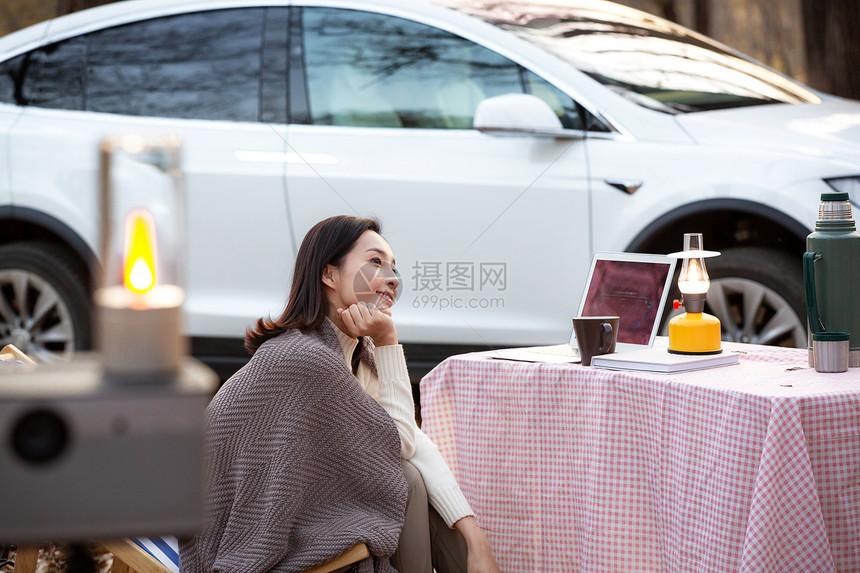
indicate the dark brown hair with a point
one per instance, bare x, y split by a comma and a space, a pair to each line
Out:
325, 244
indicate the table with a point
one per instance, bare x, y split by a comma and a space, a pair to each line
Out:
750, 467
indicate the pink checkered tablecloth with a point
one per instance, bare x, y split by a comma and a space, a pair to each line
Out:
753, 467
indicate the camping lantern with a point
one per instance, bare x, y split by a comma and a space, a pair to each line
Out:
694, 332
139, 302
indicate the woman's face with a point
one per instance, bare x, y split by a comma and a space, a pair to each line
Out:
366, 274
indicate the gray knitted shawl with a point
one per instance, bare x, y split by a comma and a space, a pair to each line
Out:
303, 464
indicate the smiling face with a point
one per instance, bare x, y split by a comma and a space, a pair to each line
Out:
366, 274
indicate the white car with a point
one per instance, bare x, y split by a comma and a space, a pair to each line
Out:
626, 132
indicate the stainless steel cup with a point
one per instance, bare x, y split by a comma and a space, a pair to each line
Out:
830, 351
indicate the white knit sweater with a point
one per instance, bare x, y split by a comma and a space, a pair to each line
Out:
393, 391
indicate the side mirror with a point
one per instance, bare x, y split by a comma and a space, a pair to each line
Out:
520, 114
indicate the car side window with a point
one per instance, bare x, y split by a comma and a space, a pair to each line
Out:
571, 114
565, 108
53, 76
202, 65
373, 70
10, 80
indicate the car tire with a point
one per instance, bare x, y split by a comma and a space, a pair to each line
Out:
45, 307
757, 294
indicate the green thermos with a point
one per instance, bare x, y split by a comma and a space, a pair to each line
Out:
831, 274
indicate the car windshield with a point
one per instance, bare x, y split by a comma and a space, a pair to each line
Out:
651, 61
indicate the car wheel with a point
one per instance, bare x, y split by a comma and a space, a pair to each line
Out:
44, 305
758, 296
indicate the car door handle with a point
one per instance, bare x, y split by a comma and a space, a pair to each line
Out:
629, 186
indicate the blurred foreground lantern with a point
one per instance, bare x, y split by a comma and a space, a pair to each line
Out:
139, 302
112, 445
694, 332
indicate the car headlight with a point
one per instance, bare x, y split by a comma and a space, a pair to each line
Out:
850, 185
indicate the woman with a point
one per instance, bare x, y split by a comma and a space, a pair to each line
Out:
311, 440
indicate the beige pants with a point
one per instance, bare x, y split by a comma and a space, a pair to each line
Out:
426, 541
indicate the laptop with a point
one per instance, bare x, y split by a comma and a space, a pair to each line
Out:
633, 286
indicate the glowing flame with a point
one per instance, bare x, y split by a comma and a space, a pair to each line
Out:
139, 274
694, 278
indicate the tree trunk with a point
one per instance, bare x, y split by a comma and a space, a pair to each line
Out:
832, 45
669, 11
702, 16
69, 6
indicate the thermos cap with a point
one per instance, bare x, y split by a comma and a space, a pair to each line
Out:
834, 206
830, 336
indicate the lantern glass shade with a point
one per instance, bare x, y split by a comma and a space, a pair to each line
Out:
694, 275
143, 210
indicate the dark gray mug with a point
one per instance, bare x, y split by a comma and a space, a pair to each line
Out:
595, 335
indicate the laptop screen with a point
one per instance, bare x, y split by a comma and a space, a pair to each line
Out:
629, 289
